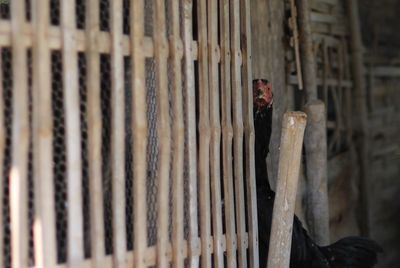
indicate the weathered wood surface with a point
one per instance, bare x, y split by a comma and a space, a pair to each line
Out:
293, 126
317, 206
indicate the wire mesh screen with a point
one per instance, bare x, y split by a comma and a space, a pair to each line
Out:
178, 240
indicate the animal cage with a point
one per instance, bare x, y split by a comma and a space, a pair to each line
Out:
126, 134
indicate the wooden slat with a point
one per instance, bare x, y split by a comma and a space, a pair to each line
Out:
204, 139
139, 129
178, 138
238, 130
20, 140
227, 135
94, 135
249, 134
215, 135
293, 126
2, 148
118, 136
73, 135
190, 131
163, 130
44, 223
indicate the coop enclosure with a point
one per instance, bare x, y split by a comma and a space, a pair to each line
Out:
126, 134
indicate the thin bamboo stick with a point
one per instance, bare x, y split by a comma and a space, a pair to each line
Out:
73, 137
190, 131
249, 133
44, 223
94, 135
215, 127
163, 129
295, 42
288, 174
178, 139
20, 140
238, 130
227, 135
2, 148
139, 122
118, 136
204, 140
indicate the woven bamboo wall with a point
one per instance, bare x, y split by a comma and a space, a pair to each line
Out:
126, 134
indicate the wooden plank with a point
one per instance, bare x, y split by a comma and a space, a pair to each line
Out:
204, 138
178, 138
139, 129
118, 136
163, 129
386, 71
238, 129
94, 135
72, 131
190, 130
249, 134
44, 222
289, 168
2, 152
215, 125
227, 135
20, 141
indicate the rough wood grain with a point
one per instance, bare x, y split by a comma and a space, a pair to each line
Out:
289, 168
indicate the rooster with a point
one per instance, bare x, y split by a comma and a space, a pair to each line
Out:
354, 252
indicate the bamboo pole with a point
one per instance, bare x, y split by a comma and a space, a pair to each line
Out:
44, 223
238, 130
118, 136
2, 148
317, 175
288, 174
249, 134
295, 42
94, 135
227, 135
20, 141
204, 138
190, 131
215, 124
163, 129
139, 129
178, 139
73, 137
360, 103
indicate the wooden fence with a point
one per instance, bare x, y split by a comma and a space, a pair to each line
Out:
126, 134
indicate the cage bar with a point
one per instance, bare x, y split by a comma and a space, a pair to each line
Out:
20, 140
118, 136
44, 225
94, 134
73, 137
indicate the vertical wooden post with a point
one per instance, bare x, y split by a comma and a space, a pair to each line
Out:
361, 104
238, 130
73, 137
204, 139
249, 133
139, 129
44, 223
316, 170
178, 138
227, 135
20, 140
315, 139
215, 124
288, 174
2, 148
190, 130
94, 134
118, 136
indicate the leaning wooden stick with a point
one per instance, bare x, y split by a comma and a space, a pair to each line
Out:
293, 127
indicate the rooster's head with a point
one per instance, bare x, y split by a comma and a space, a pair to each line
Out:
262, 94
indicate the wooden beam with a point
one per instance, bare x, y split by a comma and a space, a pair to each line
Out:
293, 127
